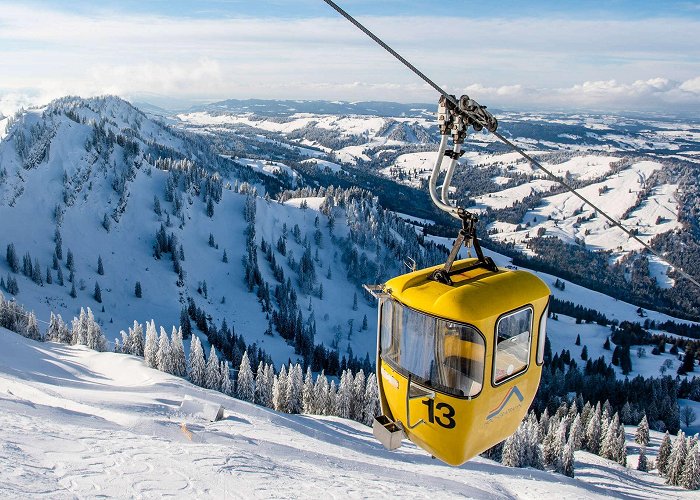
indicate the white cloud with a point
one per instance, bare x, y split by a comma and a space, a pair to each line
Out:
513, 62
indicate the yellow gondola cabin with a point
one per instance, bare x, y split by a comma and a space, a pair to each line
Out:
459, 364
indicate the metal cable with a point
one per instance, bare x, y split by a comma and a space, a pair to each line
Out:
515, 148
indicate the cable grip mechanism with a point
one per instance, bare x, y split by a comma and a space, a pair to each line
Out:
466, 237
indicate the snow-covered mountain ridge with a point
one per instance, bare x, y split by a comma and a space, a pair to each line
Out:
641, 170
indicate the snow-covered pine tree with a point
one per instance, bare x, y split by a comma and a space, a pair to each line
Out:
677, 460
136, 346
621, 447
213, 375
576, 433
320, 405
533, 452
64, 333
358, 396
151, 348
163, 357
279, 391
560, 445
177, 353
79, 333
32, 329
549, 444
642, 434
513, 452
295, 383
269, 384
642, 463
344, 399
226, 384
609, 445
259, 384
567, 461
196, 368
663, 455
332, 408
117, 346
95, 339
52, 330
245, 386
307, 393
593, 432
125, 348
626, 414
371, 400
543, 425
690, 477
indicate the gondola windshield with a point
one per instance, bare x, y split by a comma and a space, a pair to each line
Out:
441, 354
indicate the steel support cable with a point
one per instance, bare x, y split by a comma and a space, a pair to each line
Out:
515, 148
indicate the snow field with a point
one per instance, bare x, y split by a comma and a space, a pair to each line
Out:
79, 423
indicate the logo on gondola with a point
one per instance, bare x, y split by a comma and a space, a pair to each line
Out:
514, 391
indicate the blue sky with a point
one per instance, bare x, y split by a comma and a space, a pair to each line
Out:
617, 55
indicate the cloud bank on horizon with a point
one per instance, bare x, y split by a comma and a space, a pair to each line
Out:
635, 57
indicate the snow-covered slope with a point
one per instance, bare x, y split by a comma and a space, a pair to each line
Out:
76, 423
78, 163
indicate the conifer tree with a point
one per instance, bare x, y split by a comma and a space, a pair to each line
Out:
136, 346
512, 451
371, 400
213, 373
690, 477
151, 348
260, 384
79, 329
279, 391
320, 405
642, 434
52, 330
94, 338
677, 460
295, 383
98, 293
163, 358
593, 432
245, 386
307, 393
345, 393
567, 461
100, 267
196, 368
138, 292
621, 448
117, 346
576, 434
125, 347
663, 455
177, 353
609, 445
332, 408
32, 329
642, 463
269, 384
549, 444
73, 293
226, 384
358, 396
59, 276
49, 278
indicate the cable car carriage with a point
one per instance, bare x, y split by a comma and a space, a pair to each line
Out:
460, 346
